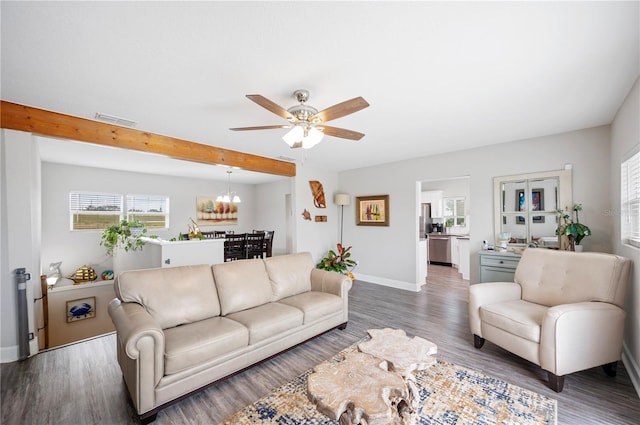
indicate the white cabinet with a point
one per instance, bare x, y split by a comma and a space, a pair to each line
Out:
423, 258
434, 197
455, 253
463, 251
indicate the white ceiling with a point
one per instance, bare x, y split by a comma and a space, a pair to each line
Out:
439, 76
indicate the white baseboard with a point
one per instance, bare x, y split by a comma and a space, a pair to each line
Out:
12, 354
9, 354
632, 368
407, 286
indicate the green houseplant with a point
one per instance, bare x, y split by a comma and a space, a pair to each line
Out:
125, 235
571, 227
338, 261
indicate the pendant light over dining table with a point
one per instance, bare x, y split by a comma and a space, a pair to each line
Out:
229, 196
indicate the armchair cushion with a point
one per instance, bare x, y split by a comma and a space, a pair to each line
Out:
518, 317
552, 277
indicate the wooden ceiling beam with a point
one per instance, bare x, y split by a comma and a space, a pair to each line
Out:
46, 123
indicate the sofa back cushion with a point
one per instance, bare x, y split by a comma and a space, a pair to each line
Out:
551, 277
173, 295
290, 274
241, 285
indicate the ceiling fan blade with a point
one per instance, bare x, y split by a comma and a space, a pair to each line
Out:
270, 106
262, 127
341, 132
341, 109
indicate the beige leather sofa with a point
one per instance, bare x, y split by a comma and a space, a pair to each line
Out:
180, 329
564, 312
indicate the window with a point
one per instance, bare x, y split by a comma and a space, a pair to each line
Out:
630, 201
454, 212
151, 210
90, 211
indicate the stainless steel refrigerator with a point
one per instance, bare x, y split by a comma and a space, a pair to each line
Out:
425, 220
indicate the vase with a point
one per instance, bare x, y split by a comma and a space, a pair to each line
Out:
579, 248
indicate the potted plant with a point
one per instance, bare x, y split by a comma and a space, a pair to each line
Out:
572, 228
125, 235
338, 261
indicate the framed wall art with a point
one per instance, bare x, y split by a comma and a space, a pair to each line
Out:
372, 210
80, 309
210, 212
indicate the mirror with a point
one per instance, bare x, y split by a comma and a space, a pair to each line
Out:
526, 204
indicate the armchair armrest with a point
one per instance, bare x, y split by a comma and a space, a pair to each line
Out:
488, 293
141, 339
580, 336
330, 282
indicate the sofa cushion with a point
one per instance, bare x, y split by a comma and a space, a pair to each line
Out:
241, 285
520, 318
189, 345
268, 320
290, 274
174, 295
315, 305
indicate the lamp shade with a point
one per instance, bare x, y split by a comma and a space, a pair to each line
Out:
342, 199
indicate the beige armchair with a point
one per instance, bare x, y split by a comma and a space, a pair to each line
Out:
564, 312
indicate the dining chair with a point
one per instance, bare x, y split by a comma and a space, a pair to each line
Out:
234, 247
255, 245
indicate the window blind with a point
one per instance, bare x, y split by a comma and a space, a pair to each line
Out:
92, 210
151, 210
630, 200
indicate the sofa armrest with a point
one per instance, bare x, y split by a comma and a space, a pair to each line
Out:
141, 339
330, 282
579, 336
488, 293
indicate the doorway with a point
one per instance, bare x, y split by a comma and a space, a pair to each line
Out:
449, 204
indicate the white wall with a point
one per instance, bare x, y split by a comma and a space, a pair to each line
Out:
625, 139
388, 253
271, 212
20, 234
77, 248
314, 237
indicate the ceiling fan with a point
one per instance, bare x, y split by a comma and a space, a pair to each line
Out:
306, 123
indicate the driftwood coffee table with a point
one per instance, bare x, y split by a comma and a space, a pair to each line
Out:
375, 386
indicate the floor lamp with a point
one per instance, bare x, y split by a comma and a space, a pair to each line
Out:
342, 199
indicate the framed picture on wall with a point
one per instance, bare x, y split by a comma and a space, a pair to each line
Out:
372, 210
210, 212
80, 309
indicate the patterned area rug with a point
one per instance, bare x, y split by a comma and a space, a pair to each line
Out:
449, 394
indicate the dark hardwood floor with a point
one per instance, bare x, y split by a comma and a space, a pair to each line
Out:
82, 384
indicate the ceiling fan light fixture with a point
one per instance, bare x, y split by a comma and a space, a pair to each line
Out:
303, 136
313, 137
294, 135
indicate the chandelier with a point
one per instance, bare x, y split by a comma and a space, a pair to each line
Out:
229, 196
